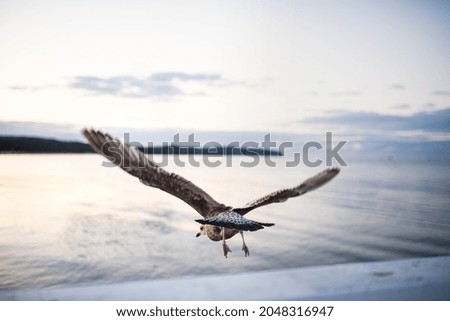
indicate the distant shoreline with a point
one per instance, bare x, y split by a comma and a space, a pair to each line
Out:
34, 145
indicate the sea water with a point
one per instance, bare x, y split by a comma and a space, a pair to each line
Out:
67, 220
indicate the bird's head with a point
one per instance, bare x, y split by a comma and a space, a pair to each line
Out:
202, 231
215, 233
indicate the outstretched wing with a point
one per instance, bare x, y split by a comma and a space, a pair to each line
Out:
137, 164
282, 195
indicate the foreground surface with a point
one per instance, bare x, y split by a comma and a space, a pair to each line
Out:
411, 279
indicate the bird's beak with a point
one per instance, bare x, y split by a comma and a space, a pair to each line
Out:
198, 234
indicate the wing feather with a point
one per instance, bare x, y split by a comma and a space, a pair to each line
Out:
137, 164
282, 195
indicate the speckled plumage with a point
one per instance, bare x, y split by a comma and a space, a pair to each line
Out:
233, 220
220, 222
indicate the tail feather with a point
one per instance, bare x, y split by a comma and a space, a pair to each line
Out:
242, 225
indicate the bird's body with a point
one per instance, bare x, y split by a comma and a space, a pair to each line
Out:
214, 233
220, 222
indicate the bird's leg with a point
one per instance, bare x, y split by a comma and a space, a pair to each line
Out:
225, 247
244, 246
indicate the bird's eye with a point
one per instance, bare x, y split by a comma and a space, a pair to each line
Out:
201, 228
217, 230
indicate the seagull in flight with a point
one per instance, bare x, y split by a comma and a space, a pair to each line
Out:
220, 222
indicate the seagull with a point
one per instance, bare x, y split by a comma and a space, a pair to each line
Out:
220, 222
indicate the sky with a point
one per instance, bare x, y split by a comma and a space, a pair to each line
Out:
233, 66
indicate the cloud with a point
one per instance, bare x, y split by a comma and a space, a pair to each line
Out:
441, 93
43, 130
436, 121
156, 85
30, 88
429, 105
21, 87
169, 76
125, 86
398, 86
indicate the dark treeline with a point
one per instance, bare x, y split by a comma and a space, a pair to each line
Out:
11, 144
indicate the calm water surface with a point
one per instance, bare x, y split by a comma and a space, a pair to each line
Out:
66, 220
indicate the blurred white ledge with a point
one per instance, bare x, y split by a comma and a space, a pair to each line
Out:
410, 279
